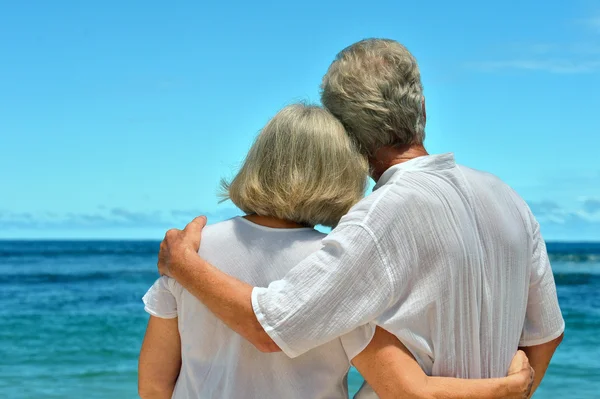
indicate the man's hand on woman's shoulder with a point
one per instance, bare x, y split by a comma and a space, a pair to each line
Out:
178, 245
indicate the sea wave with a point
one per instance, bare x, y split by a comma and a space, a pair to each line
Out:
574, 257
54, 278
573, 278
557, 251
76, 248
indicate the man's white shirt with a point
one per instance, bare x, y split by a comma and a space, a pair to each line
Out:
447, 258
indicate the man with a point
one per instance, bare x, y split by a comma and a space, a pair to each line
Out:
448, 259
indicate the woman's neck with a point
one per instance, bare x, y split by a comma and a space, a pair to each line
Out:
271, 221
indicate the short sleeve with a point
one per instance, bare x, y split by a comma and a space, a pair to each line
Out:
337, 289
357, 340
159, 301
543, 318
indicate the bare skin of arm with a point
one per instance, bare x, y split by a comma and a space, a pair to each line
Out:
160, 359
386, 364
228, 298
539, 358
391, 370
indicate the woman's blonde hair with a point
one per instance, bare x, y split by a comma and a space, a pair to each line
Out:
302, 167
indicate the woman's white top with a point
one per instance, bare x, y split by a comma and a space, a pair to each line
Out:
219, 363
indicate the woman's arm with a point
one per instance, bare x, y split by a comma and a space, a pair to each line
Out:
385, 362
160, 359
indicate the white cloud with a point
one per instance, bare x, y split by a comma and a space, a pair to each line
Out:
108, 218
591, 205
563, 66
580, 55
559, 223
592, 23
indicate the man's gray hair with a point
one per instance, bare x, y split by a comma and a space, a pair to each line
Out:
374, 88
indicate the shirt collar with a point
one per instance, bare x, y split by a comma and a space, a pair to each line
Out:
426, 162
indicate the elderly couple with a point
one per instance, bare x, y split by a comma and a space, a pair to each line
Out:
436, 285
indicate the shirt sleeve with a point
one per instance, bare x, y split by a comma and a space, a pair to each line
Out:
337, 289
357, 340
159, 301
543, 318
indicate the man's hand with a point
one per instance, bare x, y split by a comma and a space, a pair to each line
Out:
178, 245
520, 376
228, 298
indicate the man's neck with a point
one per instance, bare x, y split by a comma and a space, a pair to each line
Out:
386, 157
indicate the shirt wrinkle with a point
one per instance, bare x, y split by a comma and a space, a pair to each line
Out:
466, 284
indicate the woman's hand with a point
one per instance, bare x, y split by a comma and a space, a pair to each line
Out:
392, 371
520, 377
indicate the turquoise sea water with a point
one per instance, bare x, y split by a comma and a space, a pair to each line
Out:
71, 319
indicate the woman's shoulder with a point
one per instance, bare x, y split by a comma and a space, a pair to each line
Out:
238, 227
219, 236
221, 225
238, 238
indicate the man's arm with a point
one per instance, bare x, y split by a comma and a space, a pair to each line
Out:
228, 298
340, 287
392, 372
539, 357
160, 359
544, 326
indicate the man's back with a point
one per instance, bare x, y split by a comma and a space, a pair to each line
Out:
469, 240
448, 259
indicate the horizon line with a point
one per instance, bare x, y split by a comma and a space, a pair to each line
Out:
562, 241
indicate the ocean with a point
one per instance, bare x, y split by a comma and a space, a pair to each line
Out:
72, 320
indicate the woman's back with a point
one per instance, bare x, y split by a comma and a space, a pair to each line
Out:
217, 362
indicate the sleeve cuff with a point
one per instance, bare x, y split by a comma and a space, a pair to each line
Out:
270, 330
547, 338
154, 313
356, 341
159, 300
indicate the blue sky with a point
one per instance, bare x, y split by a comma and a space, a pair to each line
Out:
117, 119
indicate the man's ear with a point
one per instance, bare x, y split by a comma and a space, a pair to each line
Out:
424, 110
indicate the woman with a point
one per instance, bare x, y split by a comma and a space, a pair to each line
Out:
301, 171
